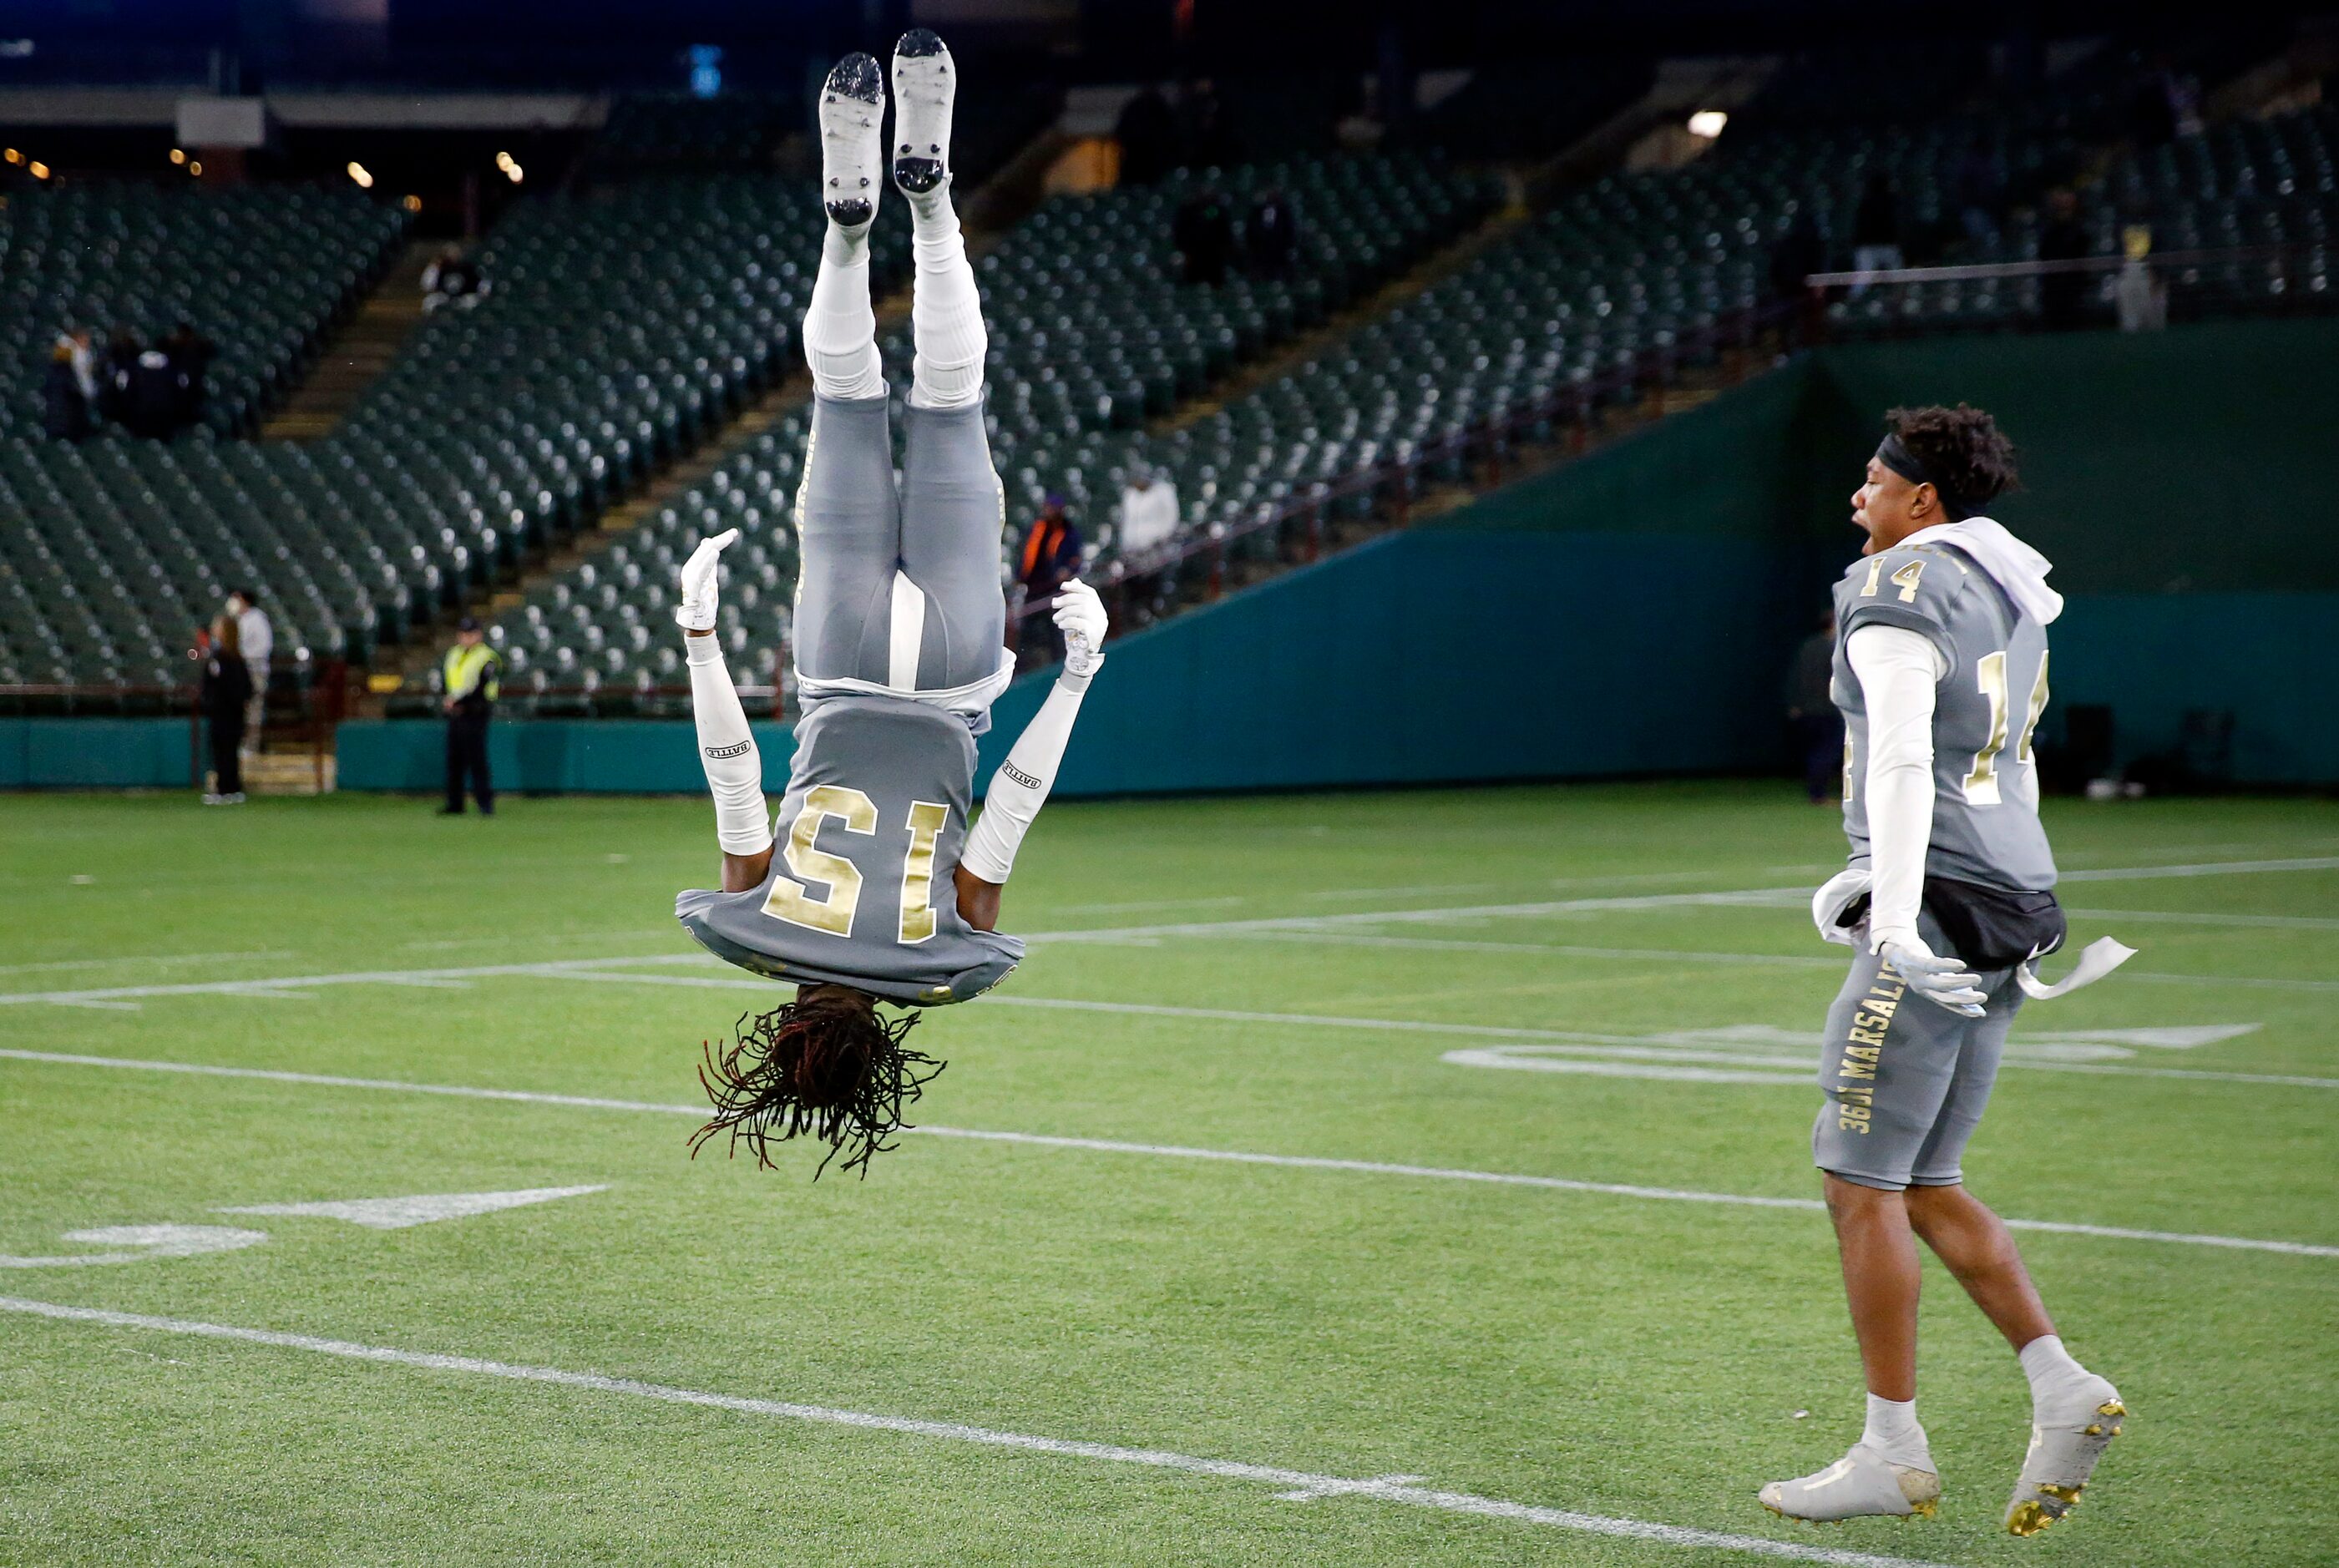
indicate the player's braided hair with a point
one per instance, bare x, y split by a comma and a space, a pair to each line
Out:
825, 1064
1962, 448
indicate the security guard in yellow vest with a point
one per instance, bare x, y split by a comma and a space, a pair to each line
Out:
472, 691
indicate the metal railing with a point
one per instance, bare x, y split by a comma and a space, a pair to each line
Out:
304, 711
1294, 530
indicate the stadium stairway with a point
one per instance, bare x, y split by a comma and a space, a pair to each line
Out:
355, 354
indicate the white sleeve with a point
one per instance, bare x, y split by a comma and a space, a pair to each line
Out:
726, 748
1019, 788
1897, 670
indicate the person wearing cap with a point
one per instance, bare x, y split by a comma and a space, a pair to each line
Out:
1051, 558
469, 701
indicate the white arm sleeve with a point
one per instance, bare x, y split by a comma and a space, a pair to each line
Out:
726, 748
1898, 669
1019, 788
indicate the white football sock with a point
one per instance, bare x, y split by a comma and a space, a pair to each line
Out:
2056, 1379
840, 326
1893, 1433
945, 317
726, 749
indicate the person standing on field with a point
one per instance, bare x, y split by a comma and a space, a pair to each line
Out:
1940, 672
471, 689
226, 688
259, 641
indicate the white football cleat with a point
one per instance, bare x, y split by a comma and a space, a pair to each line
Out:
2064, 1446
1862, 1483
852, 141
925, 86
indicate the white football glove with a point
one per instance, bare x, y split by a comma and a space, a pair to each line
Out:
1079, 616
696, 612
1943, 981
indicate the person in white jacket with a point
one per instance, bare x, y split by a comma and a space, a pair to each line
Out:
1940, 672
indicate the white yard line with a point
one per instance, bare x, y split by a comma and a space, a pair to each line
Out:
1156, 1150
143, 959
2210, 868
2176, 917
1295, 1485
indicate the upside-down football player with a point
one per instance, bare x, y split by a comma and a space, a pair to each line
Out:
1940, 670
879, 892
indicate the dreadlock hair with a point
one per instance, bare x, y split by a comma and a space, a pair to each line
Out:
824, 1064
1962, 448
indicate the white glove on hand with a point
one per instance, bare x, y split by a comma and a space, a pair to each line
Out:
1943, 981
696, 612
1079, 616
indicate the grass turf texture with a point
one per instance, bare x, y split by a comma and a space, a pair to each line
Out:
1617, 1356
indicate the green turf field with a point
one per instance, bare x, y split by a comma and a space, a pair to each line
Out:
1251, 1345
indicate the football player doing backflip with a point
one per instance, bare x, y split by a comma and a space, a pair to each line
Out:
878, 891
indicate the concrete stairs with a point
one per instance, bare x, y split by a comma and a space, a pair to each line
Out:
357, 353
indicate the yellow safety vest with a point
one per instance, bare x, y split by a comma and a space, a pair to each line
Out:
471, 669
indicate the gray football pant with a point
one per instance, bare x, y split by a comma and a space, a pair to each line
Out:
1906, 1079
940, 532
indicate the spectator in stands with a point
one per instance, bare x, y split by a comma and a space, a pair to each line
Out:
1271, 234
1209, 136
1981, 199
190, 353
470, 701
152, 392
226, 689
1811, 711
113, 367
1051, 558
1148, 133
1148, 511
2062, 296
1204, 233
257, 637
2139, 294
84, 366
1876, 232
453, 279
1802, 251
65, 409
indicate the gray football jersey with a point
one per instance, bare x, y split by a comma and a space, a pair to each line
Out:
860, 891
1985, 827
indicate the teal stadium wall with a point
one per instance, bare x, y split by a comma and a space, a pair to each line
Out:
1633, 613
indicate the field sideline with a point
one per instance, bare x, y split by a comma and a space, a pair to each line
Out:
1394, 1177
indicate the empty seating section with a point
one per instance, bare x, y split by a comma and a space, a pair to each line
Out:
2265, 183
261, 270
668, 132
606, 627
622, 328
1091, 333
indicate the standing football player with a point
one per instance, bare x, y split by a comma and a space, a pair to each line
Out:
879, 892
1940, 670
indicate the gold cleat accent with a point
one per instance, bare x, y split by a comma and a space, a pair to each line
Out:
2111, 1407
2065, 1494
1927, 1509
2027, 1519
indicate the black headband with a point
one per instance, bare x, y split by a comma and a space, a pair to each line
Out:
1894, 454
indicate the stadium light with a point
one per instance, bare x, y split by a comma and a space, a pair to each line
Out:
412, 203
196, 168
1707, 123
358, 172
40, 170
504, 162
13, 156
178, 155
513, 172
